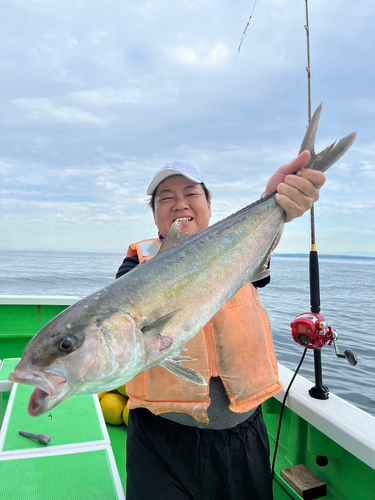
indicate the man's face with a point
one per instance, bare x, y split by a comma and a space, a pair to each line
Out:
180, 198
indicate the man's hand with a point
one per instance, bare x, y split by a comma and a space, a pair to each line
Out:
297, 188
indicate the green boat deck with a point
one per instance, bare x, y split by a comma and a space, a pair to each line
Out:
310, 433
79, 460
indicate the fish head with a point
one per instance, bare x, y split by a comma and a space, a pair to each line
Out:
79, 353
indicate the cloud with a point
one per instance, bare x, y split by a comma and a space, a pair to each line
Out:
46, 111
202, 56
135, 95
96, 96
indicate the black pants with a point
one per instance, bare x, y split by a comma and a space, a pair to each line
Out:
170, 461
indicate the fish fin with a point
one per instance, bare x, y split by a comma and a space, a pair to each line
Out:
326, 158
155, 328
173, 237
173, 365
309, 139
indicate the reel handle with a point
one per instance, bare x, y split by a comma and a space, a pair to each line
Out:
349, 356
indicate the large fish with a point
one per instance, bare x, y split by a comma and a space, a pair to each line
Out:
146, 317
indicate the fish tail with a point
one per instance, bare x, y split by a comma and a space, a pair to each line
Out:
326, 158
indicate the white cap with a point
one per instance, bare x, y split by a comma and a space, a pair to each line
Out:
176, 167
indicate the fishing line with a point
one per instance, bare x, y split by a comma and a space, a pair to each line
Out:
282, 411
228, 69
247, 25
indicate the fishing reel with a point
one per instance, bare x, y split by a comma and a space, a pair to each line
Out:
310, 330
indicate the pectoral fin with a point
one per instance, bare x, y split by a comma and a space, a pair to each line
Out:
173, 364
153, 329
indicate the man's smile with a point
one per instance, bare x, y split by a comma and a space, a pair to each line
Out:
184, 219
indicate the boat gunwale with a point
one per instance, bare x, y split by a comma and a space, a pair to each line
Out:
38, 300
350, 427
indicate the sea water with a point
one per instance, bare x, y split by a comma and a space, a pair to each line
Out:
347, 304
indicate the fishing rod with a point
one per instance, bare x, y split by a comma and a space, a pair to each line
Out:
310, 330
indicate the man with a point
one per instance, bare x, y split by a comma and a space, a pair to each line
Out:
194, 442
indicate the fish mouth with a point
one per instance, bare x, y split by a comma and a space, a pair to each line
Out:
39, 398
50, 389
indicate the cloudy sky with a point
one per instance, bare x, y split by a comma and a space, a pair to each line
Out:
96, 95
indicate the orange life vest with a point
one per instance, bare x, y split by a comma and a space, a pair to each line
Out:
235, 345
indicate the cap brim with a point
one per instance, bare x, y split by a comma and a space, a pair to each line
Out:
164, 175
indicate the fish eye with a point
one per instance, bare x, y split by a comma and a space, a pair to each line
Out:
66, 345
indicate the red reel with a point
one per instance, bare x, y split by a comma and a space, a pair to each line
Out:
310, 330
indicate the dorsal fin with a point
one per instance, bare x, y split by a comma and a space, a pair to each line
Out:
173, 237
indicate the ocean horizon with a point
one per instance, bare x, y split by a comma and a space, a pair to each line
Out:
340, 255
